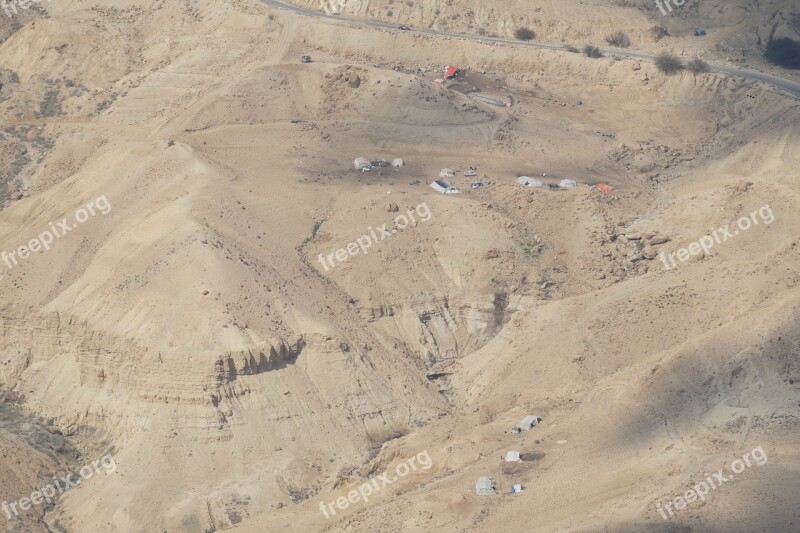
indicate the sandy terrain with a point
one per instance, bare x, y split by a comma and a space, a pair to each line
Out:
190, 330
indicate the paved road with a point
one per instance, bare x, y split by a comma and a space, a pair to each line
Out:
787, 86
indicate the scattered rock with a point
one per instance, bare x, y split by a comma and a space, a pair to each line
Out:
658, 239
648, 253
12, 396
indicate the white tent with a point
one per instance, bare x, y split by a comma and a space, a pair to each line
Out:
397, 163
529, 182
485, 486
567, 183
513, 457
444, 187
361, 163
528, 422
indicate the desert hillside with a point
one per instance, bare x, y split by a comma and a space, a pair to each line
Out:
737, 31
199, 288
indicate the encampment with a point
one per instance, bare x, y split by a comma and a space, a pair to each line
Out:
361, 163
528, 422
529, 182
513, 457
444, 187
485, 486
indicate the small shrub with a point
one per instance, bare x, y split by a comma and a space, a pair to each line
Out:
50, 106
592, 51
524, 34
618, 39
570, 48
531, 250
668, 64
783, 52
698, 65
659, 32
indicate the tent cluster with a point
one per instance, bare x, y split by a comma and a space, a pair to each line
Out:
365, 165
566, 183
444, 186
487, 486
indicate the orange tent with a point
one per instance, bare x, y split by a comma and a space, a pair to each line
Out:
450, 72
606, 188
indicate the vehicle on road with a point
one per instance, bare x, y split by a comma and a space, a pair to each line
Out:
305, 59
404, 27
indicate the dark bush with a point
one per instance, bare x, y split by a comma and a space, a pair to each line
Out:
783, 52
659, 32
698, 65
618, 39
592, 51
571, 49
668, 64
524, 34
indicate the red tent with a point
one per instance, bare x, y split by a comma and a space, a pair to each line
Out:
605, 187
450, 72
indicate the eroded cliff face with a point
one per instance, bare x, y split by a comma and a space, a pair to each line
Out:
317, 395
103, 364
251, 362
